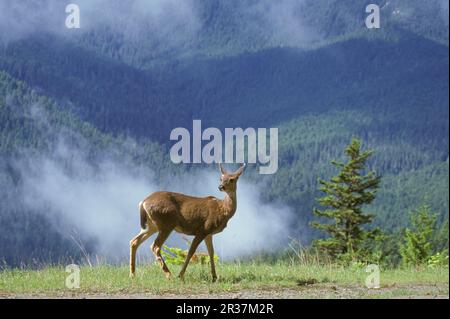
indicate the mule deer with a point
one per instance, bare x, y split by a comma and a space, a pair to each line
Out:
164, 212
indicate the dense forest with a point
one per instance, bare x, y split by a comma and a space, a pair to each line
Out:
116, 97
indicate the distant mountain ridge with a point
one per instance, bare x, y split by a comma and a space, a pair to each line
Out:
278, 84
225, 28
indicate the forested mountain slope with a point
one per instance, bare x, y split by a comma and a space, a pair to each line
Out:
263, 88
415, 171
214, 28
309, 68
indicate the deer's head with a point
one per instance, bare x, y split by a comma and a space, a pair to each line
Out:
228, 181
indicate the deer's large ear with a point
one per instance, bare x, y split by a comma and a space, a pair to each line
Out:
222, 170
240, 169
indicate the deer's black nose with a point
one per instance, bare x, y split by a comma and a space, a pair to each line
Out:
220, 188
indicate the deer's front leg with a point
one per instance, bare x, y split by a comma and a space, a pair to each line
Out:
210, 247
197, 240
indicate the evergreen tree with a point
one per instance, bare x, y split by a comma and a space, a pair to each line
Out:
441, 238
417, 246
346, 193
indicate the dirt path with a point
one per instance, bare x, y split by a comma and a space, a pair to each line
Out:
313, 291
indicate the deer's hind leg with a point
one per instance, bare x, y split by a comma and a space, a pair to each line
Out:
156, 249
143, 235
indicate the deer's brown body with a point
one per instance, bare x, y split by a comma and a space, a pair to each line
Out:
201, 217
187, 214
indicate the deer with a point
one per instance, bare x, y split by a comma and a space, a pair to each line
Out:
162, 212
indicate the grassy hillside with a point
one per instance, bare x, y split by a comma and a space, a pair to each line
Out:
236, 280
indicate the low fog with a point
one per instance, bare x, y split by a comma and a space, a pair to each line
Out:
177, 23
100, 201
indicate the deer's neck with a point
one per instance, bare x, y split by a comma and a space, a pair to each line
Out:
230, 204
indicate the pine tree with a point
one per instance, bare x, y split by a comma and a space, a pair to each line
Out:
417, 246
346, 193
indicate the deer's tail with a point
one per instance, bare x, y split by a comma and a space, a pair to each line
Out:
143, 214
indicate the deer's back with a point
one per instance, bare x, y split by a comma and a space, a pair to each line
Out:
187, 214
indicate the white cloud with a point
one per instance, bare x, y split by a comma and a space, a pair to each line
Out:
101, 199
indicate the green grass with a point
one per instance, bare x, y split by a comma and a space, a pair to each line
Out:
233, 277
